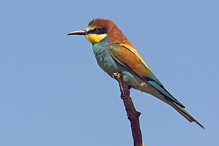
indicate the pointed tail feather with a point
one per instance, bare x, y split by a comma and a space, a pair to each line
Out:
184, 113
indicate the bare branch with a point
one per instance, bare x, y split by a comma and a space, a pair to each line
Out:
132, 114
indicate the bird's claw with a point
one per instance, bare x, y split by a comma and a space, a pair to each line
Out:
116, 75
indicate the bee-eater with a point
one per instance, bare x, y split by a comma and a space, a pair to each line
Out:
114, 53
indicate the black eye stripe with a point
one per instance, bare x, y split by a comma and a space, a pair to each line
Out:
98, 31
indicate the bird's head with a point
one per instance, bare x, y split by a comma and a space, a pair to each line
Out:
98, 29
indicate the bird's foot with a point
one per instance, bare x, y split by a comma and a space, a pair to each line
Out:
124, 88
116, 75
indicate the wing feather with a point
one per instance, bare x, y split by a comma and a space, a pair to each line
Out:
128, 56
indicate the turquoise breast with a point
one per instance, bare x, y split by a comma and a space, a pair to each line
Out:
103, 57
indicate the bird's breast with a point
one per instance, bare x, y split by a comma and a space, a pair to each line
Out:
104, 58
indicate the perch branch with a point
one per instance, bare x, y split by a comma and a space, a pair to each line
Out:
132, 114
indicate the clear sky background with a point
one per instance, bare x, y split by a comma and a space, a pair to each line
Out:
53, 93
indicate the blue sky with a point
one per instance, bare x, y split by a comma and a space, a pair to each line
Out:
53, 93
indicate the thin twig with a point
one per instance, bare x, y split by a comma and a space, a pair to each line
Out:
132, 114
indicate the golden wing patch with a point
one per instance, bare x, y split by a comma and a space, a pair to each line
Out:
130, 57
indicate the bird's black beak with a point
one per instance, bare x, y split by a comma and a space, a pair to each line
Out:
78, 32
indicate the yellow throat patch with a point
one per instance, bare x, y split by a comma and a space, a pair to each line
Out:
95, 38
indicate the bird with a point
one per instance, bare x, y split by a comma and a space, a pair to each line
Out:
114, 53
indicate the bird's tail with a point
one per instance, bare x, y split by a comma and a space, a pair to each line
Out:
184, 113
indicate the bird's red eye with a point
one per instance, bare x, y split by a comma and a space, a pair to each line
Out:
96, 30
